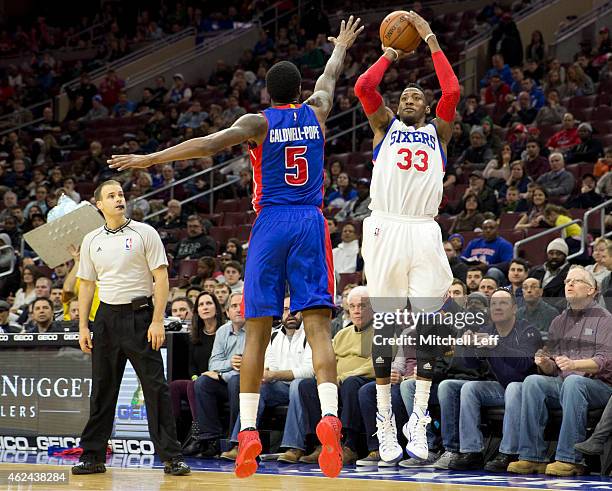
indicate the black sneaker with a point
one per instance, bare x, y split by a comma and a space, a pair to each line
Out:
176, 467
500, 463
88, 468
208, 449
467, 462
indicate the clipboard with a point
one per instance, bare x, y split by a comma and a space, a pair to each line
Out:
51, 240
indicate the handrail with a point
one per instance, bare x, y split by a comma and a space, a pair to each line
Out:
548, 231
581, 22
46, 102
99, 25
601, 208
136, 55
13, 260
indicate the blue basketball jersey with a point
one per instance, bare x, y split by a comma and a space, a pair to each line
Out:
288, 165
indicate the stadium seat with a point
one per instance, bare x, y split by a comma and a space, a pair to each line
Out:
346, 278
602, 113
509, 220
224, 205
246, 204
580, 101
512, 235
535, 251
221, 234
343, 158
186, 269
584, 114
85, 189
243, 232
232, 218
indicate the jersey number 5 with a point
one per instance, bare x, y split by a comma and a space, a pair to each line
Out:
297, 164
422, 154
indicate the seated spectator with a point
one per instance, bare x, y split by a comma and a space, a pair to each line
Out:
458, 267
198, 243
173, 218
497, 170
487, 286
459, 141
56, 299
352, 346
6, 326
470, 217
234, 248
557, 182
508, 346
536, 49
486, 196
535, 164
579, 342
552, 112
604, 164
345, 255
599, 270
232, 113
489, 250
193, 117
518, 137
491, 134
588, 197
288, 361
358, 207
344, 191
535, 93
535, 311
604, 185
42, 317
207, 317
553, 80
223, 292
232, 271
553, 272
182, 308
517, 274
578, 83
214, 385
473, 278
534, 217
27, 292
511, 200
517, 80
499, 68
588, 150
343, 318
567, 137
472, 115
478, 154
98, 110
556, 216
179, 92
520, 111
124, 107
517, 178
497, 91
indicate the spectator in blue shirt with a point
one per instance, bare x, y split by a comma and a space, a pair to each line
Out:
537, 95
499, 68
124, 107
491, 249
193, 117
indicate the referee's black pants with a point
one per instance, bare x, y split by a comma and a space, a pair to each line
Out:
120, 334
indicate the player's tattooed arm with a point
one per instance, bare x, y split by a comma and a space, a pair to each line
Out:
250, 127
322, 99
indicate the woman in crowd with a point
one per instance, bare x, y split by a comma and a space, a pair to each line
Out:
556, 216
470, 217
497, 171
27, 293
599, 270
208, 316
344, 191
534, 205
234, 248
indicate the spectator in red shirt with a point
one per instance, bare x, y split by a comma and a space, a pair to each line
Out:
497, 91
566, 138
110, 87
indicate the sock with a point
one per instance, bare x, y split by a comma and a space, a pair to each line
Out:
421, 395
328, 395
248, 410
383, 398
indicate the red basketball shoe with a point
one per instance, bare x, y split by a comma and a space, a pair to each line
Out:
249, 448
329, 432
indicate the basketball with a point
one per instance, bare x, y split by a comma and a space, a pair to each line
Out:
397, 32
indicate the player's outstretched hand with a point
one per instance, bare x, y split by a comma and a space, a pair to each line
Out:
123, 162
349, 30
420, 24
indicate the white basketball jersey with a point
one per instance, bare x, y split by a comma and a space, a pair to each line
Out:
408, 171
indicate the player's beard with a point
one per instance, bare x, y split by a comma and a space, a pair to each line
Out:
411, 120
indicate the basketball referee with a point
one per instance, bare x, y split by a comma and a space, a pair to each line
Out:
128, 261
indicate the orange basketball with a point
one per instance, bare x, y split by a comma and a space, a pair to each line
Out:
397, 32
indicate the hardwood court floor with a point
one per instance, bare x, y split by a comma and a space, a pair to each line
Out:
143, 474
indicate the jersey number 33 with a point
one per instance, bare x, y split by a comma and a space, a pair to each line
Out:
419, 161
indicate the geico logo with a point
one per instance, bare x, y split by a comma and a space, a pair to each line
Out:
14, 443
23, 337
71, 337
47, 337
4, 337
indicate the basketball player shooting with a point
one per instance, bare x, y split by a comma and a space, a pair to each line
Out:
402, 244
289, 241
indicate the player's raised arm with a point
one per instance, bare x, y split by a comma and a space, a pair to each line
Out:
250, 127
366, 89
322, 98
445, 110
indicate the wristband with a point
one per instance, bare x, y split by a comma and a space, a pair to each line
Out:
428, 36
394, 52
194, 377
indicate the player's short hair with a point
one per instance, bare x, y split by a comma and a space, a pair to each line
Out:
413, 85
100, 188
475, 268
521, 262
233, 264
42, 299
182, 299
284, 82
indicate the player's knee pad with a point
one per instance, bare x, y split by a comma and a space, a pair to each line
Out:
383, 350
